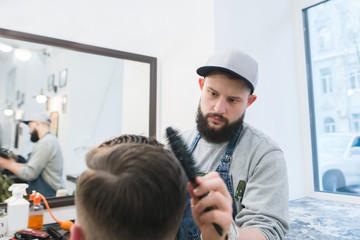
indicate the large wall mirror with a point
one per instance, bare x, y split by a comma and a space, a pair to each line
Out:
91, 93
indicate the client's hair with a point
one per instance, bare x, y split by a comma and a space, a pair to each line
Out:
130, 138
131, 191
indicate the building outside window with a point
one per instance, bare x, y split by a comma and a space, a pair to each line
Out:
354, 79
324, 38
325, 75
329, 124
332, 39
356, 122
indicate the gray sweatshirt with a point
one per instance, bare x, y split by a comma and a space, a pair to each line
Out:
259, 176
46, 159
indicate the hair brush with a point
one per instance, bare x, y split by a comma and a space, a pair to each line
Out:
187, 161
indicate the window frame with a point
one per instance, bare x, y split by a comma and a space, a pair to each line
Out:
316, 192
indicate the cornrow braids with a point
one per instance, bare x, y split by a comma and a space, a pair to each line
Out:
130, 138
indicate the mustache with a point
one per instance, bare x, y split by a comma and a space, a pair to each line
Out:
221, 117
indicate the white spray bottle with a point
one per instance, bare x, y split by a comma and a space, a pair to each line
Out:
18, 208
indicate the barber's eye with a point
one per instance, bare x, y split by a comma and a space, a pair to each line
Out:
233, 100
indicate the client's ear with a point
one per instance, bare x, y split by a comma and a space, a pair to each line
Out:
76, 233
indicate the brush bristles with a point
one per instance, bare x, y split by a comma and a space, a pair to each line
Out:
182, 153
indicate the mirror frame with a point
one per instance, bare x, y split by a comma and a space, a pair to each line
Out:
5, 33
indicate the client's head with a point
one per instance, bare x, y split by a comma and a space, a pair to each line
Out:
133, 189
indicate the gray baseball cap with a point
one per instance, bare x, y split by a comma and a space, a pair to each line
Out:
234, 62
39, 117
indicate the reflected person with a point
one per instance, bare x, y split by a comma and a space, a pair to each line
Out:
44, 167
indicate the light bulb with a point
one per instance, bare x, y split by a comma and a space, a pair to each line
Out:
19, 114
41, 98
5, 48
22, 54
8, 112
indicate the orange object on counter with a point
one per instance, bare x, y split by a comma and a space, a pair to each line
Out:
36, 214
65, 225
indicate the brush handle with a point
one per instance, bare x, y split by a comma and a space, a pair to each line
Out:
218, 229
216, 226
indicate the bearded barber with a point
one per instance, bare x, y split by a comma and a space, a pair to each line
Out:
245, 171
43, 169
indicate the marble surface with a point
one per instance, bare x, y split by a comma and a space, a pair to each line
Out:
320, 219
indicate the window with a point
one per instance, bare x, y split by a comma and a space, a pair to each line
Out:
325, 75
329, 124
356, 122
333, 66
324, 38
354, 80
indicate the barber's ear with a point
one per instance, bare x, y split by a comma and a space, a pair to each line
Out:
201, 83
251, 99
76, 233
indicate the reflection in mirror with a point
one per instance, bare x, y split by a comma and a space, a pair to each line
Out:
92, 94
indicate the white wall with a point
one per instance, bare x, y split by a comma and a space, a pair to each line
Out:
5, 126
135, 103
181, 35
264, 29
93, 84
24, 73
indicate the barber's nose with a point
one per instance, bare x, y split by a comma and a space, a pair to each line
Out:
220, 106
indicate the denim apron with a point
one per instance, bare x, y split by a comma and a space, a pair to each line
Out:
41, 186
188, 229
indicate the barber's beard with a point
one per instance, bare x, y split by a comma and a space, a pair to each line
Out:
34, 136
223, 134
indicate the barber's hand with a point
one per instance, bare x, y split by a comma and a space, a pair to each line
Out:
4, 162
218, 198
